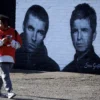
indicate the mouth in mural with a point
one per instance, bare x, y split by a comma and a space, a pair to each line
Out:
30, 45
80, 45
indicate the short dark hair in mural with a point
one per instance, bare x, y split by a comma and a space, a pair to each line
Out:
33, 54
38, 12
83, 24
83, 11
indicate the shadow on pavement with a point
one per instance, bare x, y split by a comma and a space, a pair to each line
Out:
21, 99
46, 98
26, 71
51, 98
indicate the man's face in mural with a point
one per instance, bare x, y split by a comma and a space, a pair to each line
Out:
82, 35
34, 31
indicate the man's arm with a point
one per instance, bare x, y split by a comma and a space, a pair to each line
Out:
17, 42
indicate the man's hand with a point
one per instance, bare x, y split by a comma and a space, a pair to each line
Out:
4, 40
9, 37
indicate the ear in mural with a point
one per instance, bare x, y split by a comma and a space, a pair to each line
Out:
33, 53
83, 32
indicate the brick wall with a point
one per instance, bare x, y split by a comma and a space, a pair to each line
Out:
58, 40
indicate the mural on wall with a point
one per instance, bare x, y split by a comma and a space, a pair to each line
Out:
83, 32
33, 54
54, 33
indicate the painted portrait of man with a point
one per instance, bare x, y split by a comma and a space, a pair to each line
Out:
83, 24
34, 55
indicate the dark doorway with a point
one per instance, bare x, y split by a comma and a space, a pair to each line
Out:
7, 7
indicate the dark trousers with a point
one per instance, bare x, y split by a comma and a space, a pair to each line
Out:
5, 76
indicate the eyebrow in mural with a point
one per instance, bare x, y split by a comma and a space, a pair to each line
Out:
33, 54
83, 24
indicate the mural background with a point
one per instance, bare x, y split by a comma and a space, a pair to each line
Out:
58, 40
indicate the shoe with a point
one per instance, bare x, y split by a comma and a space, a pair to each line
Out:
11, 95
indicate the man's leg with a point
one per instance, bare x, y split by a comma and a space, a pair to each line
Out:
1, 83
5, 74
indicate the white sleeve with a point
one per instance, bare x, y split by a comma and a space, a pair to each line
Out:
15, 44
1, 42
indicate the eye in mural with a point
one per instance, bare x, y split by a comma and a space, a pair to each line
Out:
33, 54
83, 33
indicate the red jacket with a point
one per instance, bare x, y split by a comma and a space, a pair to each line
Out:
8, 50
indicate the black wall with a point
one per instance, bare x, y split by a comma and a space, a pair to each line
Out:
7, 7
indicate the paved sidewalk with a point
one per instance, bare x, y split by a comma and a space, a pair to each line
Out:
55, 86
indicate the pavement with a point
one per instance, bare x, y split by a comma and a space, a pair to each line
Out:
33, 85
